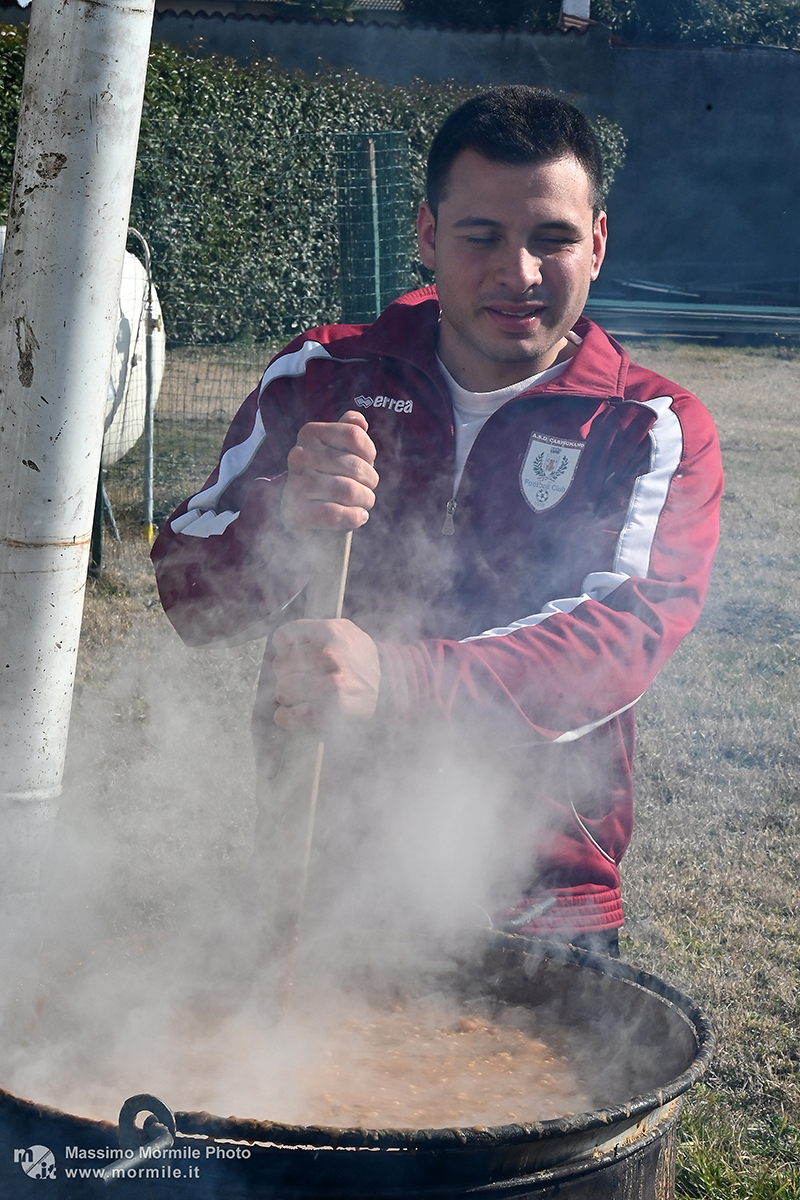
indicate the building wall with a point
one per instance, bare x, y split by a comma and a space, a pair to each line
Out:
709, 193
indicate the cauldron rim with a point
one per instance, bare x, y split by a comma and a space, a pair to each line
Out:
322, 1137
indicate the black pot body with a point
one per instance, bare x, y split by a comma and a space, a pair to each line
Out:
648, 1042
641, 1169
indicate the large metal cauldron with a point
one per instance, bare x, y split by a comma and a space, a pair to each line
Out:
644, 1043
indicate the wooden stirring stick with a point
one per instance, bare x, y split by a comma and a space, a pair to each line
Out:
296, 787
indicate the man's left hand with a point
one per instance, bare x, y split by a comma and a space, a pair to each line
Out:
325, 671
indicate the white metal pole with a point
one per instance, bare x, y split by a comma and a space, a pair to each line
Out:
73, 176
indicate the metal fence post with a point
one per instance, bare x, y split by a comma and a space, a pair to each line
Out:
375, 221
152, 324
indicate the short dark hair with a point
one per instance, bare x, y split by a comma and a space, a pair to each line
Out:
516, 124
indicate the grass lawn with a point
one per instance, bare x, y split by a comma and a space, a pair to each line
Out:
711, 883
712, 880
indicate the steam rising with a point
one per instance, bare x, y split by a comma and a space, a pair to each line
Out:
156, 971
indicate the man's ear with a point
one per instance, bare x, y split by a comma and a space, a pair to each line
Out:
599, 237
426, 236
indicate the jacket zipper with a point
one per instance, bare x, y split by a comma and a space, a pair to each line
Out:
448, 526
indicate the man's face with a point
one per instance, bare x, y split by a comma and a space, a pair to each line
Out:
514, 249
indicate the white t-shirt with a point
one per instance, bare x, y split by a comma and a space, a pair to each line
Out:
471, 410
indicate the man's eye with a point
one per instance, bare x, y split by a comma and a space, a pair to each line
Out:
474, 240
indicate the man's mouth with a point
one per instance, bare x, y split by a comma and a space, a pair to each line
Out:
515, 316
518, 312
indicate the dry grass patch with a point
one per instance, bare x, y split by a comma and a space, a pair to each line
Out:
712, 880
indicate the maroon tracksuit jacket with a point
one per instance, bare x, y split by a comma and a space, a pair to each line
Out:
582, 539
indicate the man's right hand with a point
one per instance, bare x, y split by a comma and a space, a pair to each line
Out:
331, 481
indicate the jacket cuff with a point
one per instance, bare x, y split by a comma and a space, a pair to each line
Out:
587, 908
405, 689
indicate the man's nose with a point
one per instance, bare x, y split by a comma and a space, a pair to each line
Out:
521, 269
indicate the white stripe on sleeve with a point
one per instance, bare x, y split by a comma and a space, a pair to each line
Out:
634, 544
201, 518
596, 586
203, 524
650, 491
572, 735
292, 364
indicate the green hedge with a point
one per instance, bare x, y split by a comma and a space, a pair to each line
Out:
235, 184
13, 40
703, 22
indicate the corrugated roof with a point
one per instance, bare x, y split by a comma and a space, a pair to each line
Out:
377, 5
276, 10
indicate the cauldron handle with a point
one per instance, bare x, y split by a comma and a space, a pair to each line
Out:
157, 1133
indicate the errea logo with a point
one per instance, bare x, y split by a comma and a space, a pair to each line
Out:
400, 406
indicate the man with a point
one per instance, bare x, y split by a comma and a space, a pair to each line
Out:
537, 516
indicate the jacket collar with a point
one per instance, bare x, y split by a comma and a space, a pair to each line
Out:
599, 366
407, 330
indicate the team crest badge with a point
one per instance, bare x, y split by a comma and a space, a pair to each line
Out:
548, 470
